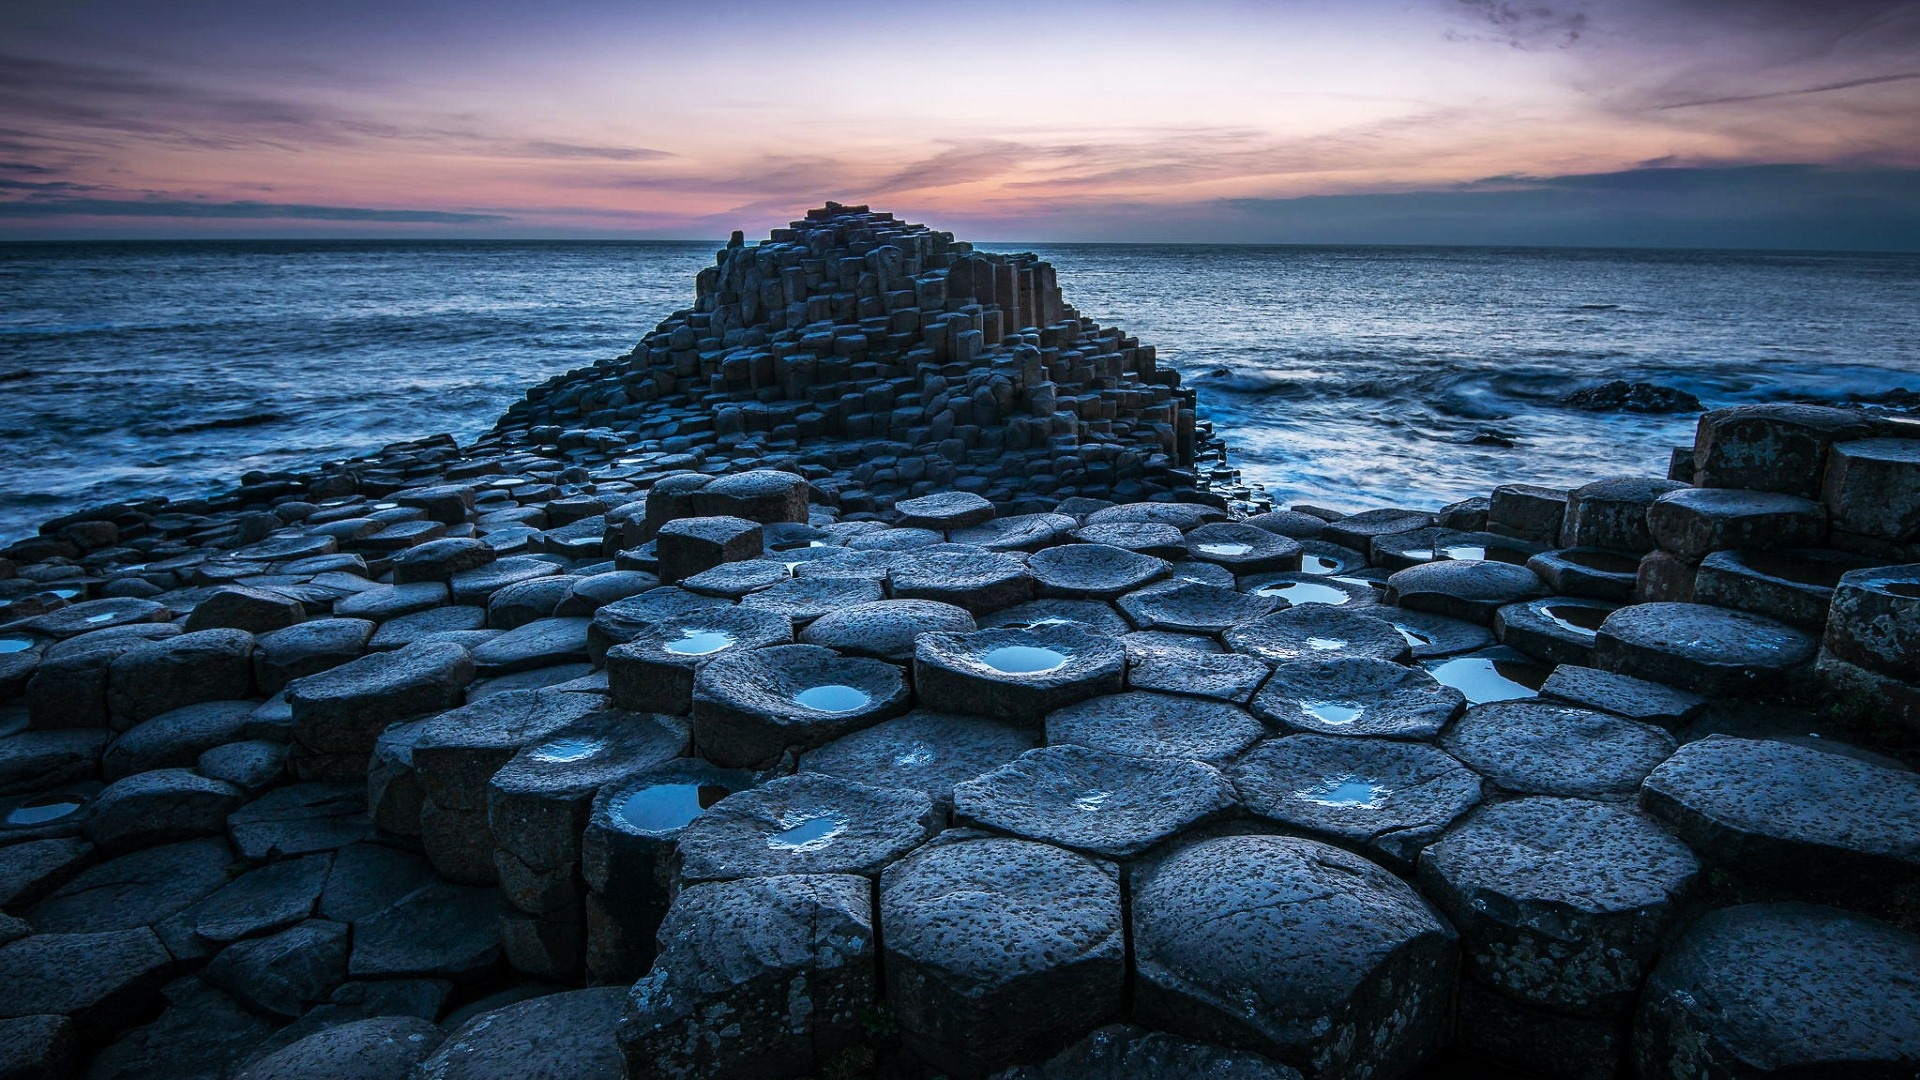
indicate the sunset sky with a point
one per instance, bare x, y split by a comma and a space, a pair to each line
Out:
1790, 123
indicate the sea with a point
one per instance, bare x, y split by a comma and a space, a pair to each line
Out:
1346, 377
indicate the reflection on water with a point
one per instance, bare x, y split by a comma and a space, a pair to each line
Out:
1025, 659
834, 698
667, 807
1483, 679
801, 832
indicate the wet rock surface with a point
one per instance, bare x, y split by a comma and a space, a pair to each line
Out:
1106, 804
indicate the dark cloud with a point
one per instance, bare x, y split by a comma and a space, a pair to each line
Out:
1524, 25
253, 211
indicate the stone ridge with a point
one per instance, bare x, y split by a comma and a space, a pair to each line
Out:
884, 360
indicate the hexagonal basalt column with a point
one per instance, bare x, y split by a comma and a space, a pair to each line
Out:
1023, 532
1692, 522
1708, 649
1561, 903
1145, 537
1612, 513
1018, 675
1102, 803
1222, 676
1875, 621
690, 545
885, 628
1538, 748
655, 671
1094, 571
1794, 586
922, 751
943, 512
1872, 488
1358, 696
1589, 572
758, 979
761, 495
1780, 448
751, 707
1089, 615
814, 598
1193, 608
998, 949
1304, 589
804, 824
1554, 629
1318, 632
1472, 591
980, 582
623, 620
1782, 990
1391, 798
1151, 725
1297, 949
1812, 820
1243, 549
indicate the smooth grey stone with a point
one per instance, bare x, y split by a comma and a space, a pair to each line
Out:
957, 672
1290, 523
758, 979
283, 974
1357, 531
586, 595
42, 760
100, 981
1192, 607
1692, 522
307, 649
238, 607
1318, 632
733, 580
299, 820
1139, 724
1539, 748
981, 582
1622, 695
1093, 571
1388, 798
476, 586
405, 630
1243, 549
997, 949
750, 707
1706, 649
541, 678
1090, 615
257, 902
1563, 903
1306, 952
1022, 532
385, 602
1472, 591
380, 1048
175, 739
1146, 537
1231, 677
1553, 629
159, 807
1357, 695
160, 676
1596, 573
439, 930
134, 890
1782, 990
767, 496
344, 709
808, 823
1102, 803
1121, 1050
1793, 815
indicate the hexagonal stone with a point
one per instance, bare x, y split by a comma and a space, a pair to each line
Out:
1102, 803
1018, 675
1875, 621
538, 644
1090, 615
1562, 903
884, 628
1146, 537
733, 580
307, 649
749, 708
175, 739
1472, 591
1194, 608
586, 595
1389, 798
1794, 586
475, 586
1121, 1050
257, 902
38, 760
436, 931
134, 890
804, 824
1243, 549
764, 495
1357, 531
342, 710
1302, 951
809, 600
1622, 695
690, 545
1222, 676
1695, 521
980, 582
1782, 990
627, 848
1429, 636
101, 981
1553, 629
1317, 632
654, 672
1612, 513
1790, 814
1156, 726
1358, 696
1872, 487
237, 607
1772, 447
440, 560
947, 510
1590, 572
299, 820
564, 1036
158, 676
623, 620
759, 979
1022, 532
1708, 649
1537, 748
36, 867
91, 615
384, 602
997, 949
159, 807
1488, 675
1093, 571
1182, 516
282, 975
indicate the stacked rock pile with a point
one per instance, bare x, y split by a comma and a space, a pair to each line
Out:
511, 761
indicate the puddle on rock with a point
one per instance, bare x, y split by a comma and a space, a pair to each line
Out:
1318, 564
1092, 800
105, 616
1465, 552
1414, 637
802, 832
42, 810
1025, 659
666, 807
1333, 712
14, 645
571, 748
700, 642
1223, 549
1326, 644
1306, 592
1578, 618
1485, 680
68, 594
834, 698
1347, 792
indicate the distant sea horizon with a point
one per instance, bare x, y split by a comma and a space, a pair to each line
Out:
1349, 375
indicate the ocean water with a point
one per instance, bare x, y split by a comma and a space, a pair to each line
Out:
1348, 377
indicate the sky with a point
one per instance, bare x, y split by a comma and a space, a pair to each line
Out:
1690, 123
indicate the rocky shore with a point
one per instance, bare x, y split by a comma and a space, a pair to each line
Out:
880, 671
